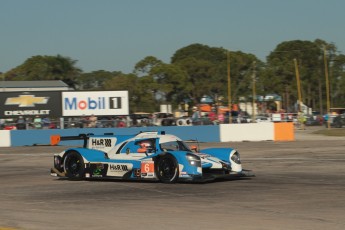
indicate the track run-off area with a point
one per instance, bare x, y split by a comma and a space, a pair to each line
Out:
298, 185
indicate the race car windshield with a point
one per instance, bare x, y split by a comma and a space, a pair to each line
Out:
174, 146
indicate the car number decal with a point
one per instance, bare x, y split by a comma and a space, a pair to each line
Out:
147, 169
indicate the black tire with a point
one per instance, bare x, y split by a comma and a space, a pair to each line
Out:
74, 166
167, 169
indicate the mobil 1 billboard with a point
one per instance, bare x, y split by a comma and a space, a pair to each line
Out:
31, 103
98, 103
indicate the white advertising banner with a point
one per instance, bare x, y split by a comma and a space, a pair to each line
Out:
86, 103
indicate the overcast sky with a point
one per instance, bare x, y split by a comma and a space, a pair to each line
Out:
114, 35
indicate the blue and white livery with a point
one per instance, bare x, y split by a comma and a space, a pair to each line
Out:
145, 156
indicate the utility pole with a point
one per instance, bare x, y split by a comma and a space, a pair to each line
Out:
229, 86
327, 86
298, 86
254, 90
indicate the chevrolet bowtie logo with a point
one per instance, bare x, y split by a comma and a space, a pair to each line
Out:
26, 100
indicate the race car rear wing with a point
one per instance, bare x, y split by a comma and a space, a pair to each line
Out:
55, 139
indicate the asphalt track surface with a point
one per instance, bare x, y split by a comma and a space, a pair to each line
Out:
298, 185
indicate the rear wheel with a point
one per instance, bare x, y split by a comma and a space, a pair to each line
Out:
74, 165
167, 169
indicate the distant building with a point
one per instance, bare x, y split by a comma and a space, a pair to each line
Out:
20, 86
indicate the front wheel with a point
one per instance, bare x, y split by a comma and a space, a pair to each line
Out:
74, 165
167, 169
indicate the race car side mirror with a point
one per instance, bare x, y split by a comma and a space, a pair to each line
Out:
194, 148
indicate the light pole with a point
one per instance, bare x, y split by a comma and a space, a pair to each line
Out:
327, 86
254, 90
298, 86
229, 85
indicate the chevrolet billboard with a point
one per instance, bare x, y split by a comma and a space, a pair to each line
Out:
14, 104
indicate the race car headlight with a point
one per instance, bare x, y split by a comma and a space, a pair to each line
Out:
236, 158
193, 160
57, 161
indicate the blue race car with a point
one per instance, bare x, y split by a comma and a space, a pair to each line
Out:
144, 156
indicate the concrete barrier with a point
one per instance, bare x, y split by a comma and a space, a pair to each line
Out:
284, 131
265, 131
5, 138
206, 133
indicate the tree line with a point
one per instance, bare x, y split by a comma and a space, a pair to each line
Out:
197, 70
